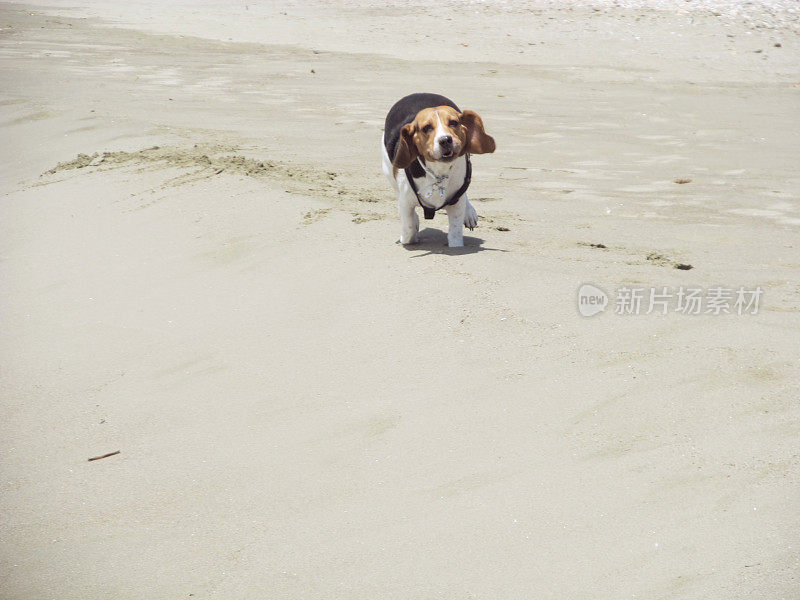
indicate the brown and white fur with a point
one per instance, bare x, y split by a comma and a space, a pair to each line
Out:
442, 136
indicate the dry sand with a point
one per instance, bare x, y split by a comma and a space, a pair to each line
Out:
199, 270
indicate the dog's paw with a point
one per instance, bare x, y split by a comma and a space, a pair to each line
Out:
470, 217
407, 240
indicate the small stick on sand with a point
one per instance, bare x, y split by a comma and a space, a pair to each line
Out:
104, 455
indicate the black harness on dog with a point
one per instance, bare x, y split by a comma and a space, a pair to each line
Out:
430, 212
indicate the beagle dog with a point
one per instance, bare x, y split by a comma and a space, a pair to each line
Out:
427, 142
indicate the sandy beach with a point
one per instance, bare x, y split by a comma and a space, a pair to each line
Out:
200, 271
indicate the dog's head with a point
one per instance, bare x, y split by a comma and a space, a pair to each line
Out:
442, 134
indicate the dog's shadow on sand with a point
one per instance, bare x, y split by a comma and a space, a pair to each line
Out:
434, 241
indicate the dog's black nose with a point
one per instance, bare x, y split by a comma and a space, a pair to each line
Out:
446, 141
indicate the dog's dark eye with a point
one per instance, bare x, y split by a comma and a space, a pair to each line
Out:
453, 123
428, 128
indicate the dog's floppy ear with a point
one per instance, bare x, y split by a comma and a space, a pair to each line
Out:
478, 141
406, 148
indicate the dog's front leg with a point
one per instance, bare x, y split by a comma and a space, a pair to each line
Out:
470, 215
455, 214
409, 220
